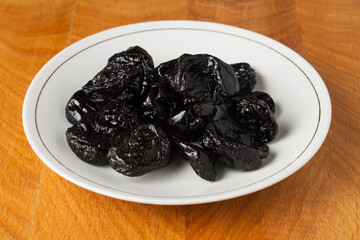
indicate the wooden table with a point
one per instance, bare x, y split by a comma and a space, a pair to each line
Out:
320, 201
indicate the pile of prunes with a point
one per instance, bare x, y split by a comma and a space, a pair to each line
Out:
134, 116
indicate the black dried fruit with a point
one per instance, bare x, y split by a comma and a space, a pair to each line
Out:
116, 116
203, 78
226, 128
140, 150
87, 145
80, 107
245, 75
255, 116
189, 124
135, 50
160, 103
231, 153
199, 160
125, 77
167, 70
265, 97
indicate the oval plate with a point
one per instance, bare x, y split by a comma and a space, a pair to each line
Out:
302, 100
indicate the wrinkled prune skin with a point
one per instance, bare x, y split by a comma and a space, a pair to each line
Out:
189, 124
87, 145
135, 50
254, 115
167, 70
245, 75
203, 78
231, 153
265, 97
116, 116
226, 128
80, 107
161, 102
199, 160
140, 150
125, 77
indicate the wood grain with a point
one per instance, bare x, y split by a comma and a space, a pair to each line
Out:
337, 58
108, 14
320, 201
30, 35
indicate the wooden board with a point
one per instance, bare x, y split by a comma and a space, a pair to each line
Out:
320, 201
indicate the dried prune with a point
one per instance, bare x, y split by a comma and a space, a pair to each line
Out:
203, 78
114, 116
245, 75
125, 77
140, 150
254, 115
188, 124
167, 70
265, 97
87, 145
199, 160
226, 128
229, 152
160, 103
135, 50
80, 107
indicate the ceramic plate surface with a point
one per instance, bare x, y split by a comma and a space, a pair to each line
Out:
303, 109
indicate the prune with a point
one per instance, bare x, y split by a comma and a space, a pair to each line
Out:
188, 124
125, 77
254, 115
229, 152
265, 97
203, 78
114, 116
199, 160
80, 107
245, 75
167, 70
135, 50
87, 145
226, 128
140, 150
160, 103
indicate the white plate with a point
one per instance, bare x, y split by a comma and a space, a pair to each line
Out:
302, 101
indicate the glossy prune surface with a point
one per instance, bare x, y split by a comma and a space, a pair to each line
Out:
125, 77
140, 150
135, 50
245, 75
228, 129
265, 97
189, 123
114, 116
231, 153
87, 145
203, 78
254, 115
160, 102
199, 160
80, 107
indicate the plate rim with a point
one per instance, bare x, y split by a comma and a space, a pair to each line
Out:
316, 141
